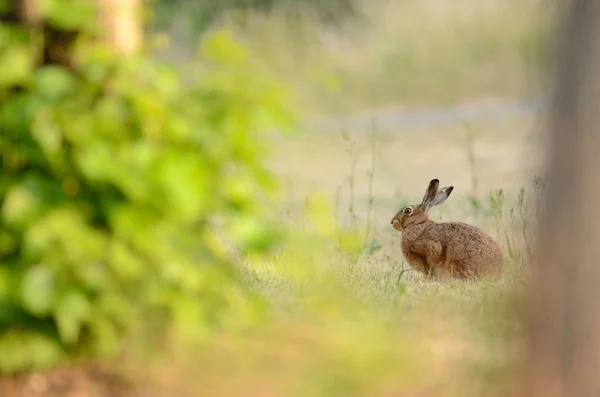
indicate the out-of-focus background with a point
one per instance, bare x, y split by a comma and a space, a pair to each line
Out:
196, 196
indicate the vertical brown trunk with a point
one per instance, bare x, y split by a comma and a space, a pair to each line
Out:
24, 11
121, 24
564, 324
119, 20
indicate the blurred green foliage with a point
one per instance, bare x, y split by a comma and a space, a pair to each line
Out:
125, 192
201, 14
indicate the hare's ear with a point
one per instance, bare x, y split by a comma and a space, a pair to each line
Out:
441, 195
430, 192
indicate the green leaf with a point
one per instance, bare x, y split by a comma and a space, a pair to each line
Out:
52, 82
6, 282
108, 338
24, 349
8, 242
38, 290
124, 261
16, 62
71, 312
15, 114
69, 15
23, 204
48, 136
95, 277
185, 183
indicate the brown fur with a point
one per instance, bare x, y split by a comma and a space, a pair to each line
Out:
448, 249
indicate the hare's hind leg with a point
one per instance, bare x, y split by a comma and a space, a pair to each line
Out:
446, 270
436, 270
443, 272
449, 270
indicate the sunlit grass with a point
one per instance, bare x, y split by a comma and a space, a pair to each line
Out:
345, 317
504, 154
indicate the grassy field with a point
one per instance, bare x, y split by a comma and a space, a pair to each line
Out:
476, 157
345, 320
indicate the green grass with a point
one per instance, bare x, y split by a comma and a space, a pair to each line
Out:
345, 320
499, 154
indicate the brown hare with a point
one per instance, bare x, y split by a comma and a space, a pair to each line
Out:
448, 249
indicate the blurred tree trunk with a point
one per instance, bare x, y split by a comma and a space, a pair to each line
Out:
20, 11
121, 22
564, 325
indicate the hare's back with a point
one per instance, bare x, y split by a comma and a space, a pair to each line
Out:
471, 248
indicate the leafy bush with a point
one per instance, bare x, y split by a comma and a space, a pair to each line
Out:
121, 184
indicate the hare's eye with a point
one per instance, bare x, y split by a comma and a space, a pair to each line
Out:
407, 211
